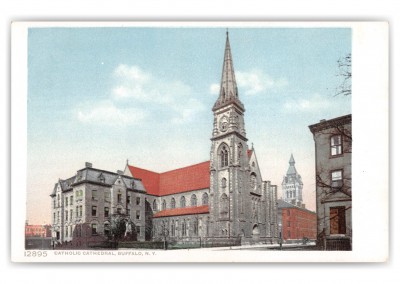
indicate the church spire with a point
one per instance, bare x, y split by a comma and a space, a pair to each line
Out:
291, 161
292, 169
228, 92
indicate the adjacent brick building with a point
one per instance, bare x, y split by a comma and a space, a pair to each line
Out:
43, 231
296, 222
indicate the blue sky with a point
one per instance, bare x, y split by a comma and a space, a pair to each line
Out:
105, 95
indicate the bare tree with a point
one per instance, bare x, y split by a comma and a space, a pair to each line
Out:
344, 66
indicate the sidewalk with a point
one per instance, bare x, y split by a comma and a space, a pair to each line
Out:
261, 246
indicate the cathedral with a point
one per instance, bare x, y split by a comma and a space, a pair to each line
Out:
218, 201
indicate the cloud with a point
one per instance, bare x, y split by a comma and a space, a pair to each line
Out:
315, 102
254, 82
107, 113
137, 95
135, 85
214, 89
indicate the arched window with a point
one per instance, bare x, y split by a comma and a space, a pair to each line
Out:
253, 181
173, 203
193, 200
204, 199
195, 227
224, 155
223, 182
224, 206
155, 206
183, 201
184, 228
240, 152
164, 204
172, 229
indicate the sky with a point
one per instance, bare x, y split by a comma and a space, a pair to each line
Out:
108, 95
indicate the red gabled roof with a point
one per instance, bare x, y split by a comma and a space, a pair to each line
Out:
185, 179
151, 180
182, 211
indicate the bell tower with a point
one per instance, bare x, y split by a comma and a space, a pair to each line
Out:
229, 165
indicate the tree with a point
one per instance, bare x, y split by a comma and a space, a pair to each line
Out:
122, 228
344, 66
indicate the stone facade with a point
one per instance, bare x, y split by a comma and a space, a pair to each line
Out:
83, 205
216, 201
333, 147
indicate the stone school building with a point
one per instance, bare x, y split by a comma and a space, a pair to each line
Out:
218, 200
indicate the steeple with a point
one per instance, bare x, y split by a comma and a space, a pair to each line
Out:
228, 92
292, 168
291, 161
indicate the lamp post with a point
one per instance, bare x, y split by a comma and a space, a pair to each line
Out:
280, 235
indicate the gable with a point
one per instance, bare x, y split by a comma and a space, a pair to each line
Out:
336, 196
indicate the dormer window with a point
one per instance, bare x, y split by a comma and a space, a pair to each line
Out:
102, 179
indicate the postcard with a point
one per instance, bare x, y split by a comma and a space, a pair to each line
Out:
199, 142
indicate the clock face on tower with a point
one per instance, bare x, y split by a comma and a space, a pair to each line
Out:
223, 124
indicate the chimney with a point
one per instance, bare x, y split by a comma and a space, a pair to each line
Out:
322, 120
88, 165
299, 203
120, 172
303, 206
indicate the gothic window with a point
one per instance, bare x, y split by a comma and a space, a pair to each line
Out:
253, 180
240, 152
172, 229
224, 156
173, 203
193, 200
155, 207
184, 232
164, 205
195, 227
223, 182
119, 197
336, 145
224, 206
183, 201
204, 199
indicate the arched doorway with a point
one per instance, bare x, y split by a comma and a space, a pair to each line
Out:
256, 230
